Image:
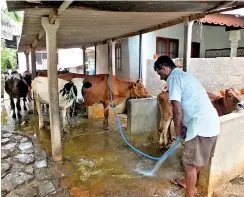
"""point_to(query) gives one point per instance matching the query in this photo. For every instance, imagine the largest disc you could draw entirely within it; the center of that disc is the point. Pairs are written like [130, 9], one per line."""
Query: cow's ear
[87, 84]
[222, 92]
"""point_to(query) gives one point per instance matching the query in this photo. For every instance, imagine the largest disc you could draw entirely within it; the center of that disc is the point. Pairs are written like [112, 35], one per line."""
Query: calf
[223, 104]
[16, 87]
[69, 91]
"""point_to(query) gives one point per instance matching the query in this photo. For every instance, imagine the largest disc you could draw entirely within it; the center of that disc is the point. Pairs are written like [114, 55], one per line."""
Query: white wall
[130, 59]
[214, 74]
[70, 57]
[209, 37]
[66, 58]
[102, 59]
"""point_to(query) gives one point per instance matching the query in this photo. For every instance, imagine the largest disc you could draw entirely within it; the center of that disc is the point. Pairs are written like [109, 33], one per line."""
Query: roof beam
[52, 17]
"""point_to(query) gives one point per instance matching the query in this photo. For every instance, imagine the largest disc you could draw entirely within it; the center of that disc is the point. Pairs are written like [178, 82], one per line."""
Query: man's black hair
[164, 60]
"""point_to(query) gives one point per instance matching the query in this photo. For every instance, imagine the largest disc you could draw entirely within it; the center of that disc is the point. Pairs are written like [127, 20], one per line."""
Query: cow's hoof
[25, 109]
[106, 128]
[14, 116]
[19, 115]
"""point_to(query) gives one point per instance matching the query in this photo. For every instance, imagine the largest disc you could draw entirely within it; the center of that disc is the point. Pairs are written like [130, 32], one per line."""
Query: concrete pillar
[187, 43]
[235, 36]
[33, 62]
[27, 60]
[51, 46]
[84, 60]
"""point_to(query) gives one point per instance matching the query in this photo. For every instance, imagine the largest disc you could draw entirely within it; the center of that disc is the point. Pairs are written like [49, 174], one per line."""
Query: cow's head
[27, 77]
[232, 99]
[138, 90]
[79, 83]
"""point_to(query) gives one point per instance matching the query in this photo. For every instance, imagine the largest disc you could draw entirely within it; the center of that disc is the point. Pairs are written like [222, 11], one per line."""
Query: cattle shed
[67, 24]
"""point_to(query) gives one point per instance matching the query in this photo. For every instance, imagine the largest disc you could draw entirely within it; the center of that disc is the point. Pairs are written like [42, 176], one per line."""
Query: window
[41, 60]
[118, 56]
[167, 46]
[195, 50]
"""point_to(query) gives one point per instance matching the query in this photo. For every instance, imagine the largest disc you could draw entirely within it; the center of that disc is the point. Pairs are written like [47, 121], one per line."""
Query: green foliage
[10, 18]
[8, 57]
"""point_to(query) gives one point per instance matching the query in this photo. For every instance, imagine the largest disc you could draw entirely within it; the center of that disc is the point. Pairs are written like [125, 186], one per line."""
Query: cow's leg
[169, 133]
[65, 126]
[12, 106]
[68, 115]
[160, 133]
[47, 109]
[106, 115]
[18, 107]
[38, 109]
[165, 133]
[24, 101]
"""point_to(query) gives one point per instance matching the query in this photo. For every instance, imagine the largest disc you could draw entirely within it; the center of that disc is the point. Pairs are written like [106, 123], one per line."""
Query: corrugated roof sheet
[80, 27]
[90, 24]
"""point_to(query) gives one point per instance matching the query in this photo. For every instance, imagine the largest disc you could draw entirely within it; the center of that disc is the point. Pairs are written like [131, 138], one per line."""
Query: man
[192, 106]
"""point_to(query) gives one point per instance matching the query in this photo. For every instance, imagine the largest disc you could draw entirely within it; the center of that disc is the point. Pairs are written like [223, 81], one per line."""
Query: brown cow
[230, 102]
[121, 90]
[224, 105]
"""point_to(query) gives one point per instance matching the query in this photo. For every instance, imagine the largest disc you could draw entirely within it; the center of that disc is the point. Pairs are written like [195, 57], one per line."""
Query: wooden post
[187, 43]
[84, 60]
[33, 62]
[140, 52]
[27, 60]
[51, 43]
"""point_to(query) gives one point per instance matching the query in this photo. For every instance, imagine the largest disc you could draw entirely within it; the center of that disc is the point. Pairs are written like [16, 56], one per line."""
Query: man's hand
[177, 116]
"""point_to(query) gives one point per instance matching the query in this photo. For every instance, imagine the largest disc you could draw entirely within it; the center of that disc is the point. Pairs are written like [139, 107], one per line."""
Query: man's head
[163, 66]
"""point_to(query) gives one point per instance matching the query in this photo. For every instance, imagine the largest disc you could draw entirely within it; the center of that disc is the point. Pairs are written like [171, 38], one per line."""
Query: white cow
[69, 91]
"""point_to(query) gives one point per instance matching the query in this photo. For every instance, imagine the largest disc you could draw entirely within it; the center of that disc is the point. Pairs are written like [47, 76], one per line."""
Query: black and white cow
[69, 91]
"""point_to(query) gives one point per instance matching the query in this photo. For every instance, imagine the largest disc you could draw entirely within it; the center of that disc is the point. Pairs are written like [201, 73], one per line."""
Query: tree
[8, 56]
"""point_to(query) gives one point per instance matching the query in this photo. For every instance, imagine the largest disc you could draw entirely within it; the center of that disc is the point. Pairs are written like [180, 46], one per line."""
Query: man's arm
[177, 116]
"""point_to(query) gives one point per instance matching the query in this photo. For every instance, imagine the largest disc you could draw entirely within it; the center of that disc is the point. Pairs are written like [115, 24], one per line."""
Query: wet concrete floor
[105, 165]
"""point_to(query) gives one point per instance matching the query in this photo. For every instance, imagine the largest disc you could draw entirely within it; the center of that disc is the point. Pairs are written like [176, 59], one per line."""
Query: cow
[16, 87]
[121, 90]
[43, 73]
[229, 102]
[68, 92]
[224, 105]
[27, 77]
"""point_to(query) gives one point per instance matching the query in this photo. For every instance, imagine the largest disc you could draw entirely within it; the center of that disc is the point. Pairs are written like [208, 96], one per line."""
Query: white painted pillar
[33, 62]
[51, 46]
[187, 43]
[27, 60]
[235, 36]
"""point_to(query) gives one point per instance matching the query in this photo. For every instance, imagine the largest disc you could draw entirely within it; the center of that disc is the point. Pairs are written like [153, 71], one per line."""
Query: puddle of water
[105, 164]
